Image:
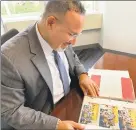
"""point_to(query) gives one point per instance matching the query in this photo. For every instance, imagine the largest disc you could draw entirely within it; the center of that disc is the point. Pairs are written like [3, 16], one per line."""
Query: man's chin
[61, 49]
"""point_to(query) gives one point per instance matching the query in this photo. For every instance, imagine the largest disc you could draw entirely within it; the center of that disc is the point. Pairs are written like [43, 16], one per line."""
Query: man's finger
[90, 90]
[84, 91]
[95, 84]
[94, 90]
[77, 125]
[97, 90]
[96, 87]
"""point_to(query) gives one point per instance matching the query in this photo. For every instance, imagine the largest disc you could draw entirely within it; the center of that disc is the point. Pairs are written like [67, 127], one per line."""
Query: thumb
[77, 126]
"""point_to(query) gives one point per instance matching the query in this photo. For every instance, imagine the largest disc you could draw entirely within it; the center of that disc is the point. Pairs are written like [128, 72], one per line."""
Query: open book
[104, 113]
[113, 83]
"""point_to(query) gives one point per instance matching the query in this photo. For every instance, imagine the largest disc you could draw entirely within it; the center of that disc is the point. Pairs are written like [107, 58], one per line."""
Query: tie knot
[56, 53]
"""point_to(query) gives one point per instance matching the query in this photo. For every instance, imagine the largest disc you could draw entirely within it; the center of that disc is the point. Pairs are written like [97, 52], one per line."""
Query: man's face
[65, 31]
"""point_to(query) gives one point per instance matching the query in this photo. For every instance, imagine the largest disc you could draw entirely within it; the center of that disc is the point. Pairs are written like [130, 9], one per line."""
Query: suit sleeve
[78, 67]
[13, 111]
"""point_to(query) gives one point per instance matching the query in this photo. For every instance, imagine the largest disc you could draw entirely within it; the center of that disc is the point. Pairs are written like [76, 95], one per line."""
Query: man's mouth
[67, 43]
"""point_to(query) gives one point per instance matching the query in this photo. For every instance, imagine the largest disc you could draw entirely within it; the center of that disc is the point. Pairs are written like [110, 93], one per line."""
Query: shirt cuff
[83, 73]
[57, 124]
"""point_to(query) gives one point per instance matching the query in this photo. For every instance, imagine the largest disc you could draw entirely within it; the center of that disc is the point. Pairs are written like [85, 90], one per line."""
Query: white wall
[91, 36]
[2, 28]
[119, 26]
[88, 37]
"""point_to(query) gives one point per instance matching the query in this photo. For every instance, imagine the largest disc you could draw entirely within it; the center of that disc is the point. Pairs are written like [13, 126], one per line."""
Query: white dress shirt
[58, 91]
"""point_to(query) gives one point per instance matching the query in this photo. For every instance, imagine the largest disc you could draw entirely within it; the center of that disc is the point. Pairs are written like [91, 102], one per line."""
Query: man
[32, 77]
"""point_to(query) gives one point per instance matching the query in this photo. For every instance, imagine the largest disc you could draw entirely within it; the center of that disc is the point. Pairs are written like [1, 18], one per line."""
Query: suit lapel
[41, 63]
[70, 60]
[39, 59]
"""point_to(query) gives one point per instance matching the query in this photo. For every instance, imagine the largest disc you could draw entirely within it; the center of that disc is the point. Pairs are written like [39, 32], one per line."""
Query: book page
[107, 113]
[127, 118]
[110, 80]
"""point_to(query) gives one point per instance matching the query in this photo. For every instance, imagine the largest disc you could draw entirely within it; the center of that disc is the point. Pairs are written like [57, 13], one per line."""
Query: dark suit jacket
[26, 82]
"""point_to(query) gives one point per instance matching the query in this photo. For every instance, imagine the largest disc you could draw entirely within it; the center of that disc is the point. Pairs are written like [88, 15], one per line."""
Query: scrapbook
[108, 113]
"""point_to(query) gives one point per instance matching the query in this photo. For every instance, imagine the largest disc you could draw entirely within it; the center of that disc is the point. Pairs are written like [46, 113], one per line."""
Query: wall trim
[104, 49]
[86, 46]
[120, 53]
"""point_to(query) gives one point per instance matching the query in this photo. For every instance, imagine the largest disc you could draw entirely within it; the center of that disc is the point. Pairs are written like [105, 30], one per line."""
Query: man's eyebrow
[74, 33]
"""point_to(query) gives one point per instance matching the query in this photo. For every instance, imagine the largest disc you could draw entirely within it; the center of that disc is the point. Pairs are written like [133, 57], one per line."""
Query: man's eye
[70, 34]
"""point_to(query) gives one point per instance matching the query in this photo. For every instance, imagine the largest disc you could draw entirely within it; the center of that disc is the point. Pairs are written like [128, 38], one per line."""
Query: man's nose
[73, 41]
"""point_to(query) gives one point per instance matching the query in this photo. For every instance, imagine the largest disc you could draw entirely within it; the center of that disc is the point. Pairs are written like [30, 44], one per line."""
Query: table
[113, 61]
[69, 108]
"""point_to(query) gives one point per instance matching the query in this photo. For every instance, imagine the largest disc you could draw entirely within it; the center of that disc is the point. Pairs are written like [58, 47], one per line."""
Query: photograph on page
[104, 113]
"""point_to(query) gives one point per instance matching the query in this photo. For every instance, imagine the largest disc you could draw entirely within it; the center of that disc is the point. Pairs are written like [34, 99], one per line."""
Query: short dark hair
[62, 6]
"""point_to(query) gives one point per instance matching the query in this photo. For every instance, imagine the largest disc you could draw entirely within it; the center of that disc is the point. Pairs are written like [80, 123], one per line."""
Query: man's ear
[50, 22]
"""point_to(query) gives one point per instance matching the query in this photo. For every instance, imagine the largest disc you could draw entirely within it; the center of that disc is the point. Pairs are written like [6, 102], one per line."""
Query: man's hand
[69, 125]
[88, 86]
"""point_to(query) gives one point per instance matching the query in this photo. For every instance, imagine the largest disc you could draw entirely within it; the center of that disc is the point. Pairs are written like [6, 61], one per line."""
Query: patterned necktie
[63, 72]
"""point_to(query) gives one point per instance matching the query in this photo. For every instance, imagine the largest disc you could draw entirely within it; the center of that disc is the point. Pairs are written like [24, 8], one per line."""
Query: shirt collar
[45, 46]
